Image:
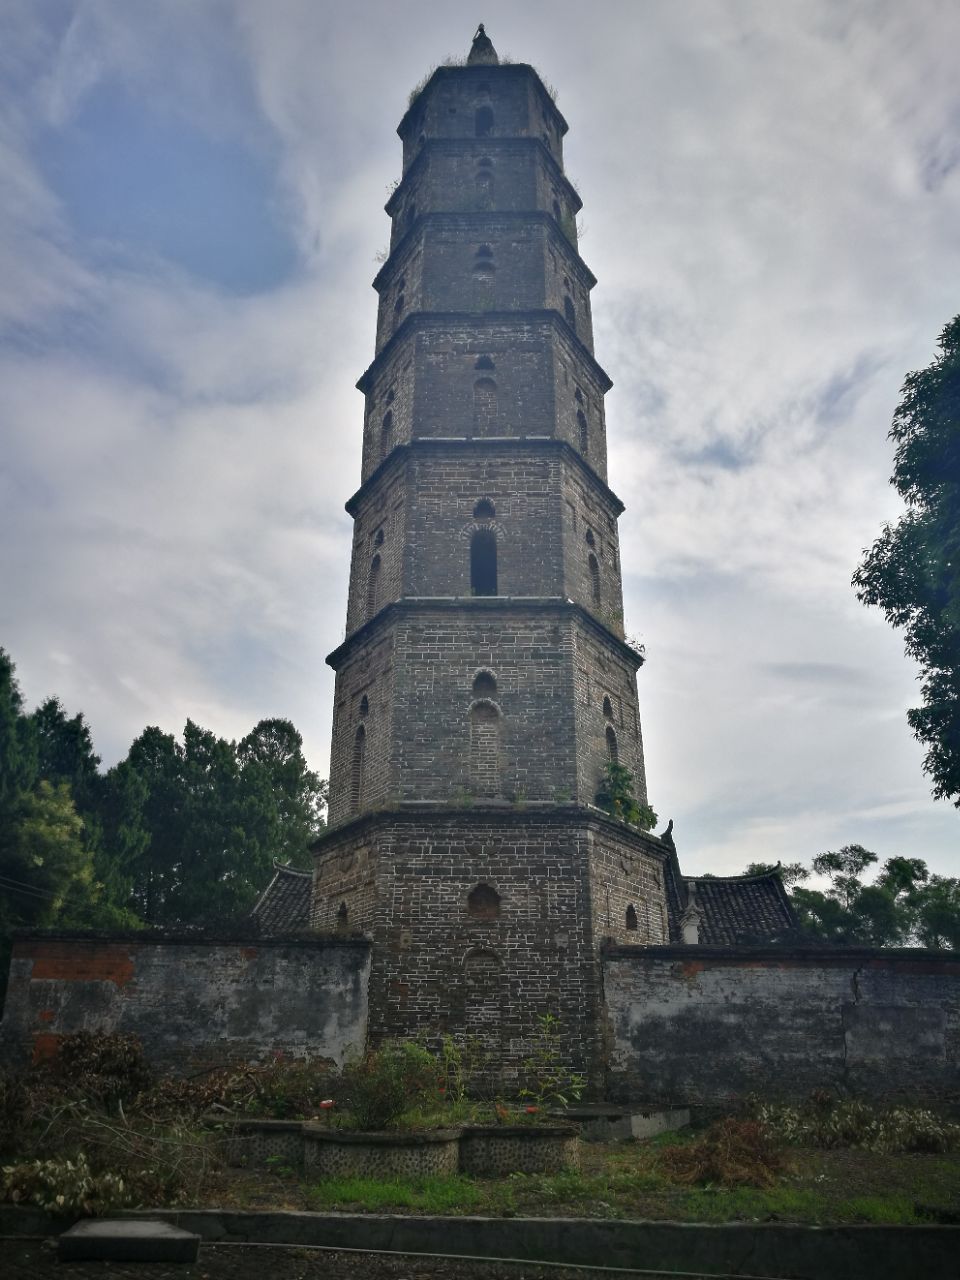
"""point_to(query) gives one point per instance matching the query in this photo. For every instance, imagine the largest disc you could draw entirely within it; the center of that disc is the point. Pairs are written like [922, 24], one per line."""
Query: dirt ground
[37, 1260]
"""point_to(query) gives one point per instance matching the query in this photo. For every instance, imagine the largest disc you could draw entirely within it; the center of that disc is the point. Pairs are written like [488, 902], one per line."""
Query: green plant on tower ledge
[615, 796]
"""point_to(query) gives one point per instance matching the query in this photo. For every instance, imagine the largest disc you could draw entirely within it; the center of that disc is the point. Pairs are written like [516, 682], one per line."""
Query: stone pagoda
[484, 682]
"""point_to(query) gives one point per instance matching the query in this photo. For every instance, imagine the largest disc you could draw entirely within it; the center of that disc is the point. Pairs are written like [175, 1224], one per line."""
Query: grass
[627, 1180]
[438, 1195]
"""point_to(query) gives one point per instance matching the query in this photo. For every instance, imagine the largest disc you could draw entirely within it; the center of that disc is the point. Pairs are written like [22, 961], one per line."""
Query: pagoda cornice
[484, 218]
[492, 145]
[441, 444]
[424, 320]
[478, 606]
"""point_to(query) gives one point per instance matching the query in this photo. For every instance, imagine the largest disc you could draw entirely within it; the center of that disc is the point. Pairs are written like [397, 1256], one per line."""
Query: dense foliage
[904, 905]
[176, 833]
[912, 571]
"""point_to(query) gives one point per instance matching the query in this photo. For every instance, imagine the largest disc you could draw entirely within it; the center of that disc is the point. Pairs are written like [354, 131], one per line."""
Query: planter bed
[340, 1153]
[493, 1151]
[487, 1151]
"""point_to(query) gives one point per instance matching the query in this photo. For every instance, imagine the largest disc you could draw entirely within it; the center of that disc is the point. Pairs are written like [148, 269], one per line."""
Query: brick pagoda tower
[484, 681]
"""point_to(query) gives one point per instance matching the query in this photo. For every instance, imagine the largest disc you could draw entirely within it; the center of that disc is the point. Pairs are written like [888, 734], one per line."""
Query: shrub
[548, 1082]
[385, 1082]
[107, 1067]
[829, 1122]
[731, 1153]
[65, 1186]
[15, 1112]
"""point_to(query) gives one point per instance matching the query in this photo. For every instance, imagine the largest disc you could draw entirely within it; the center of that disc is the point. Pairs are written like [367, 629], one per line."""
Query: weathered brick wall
[602, 672]
[369, 674]
[528, 653]
[705, 1025]
[440, 965]
[379, 541]
[626, 872]
[447, 108]
[192, 1003]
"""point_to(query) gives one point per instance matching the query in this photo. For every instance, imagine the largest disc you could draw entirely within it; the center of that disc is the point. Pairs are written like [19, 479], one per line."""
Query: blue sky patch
[127, 173]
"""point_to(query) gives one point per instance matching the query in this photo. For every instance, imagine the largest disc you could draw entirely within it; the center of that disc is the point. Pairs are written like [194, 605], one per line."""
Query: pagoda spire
[482, 50]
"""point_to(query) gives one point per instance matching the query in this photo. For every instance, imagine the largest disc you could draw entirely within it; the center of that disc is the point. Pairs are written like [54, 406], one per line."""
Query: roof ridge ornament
[482, 51]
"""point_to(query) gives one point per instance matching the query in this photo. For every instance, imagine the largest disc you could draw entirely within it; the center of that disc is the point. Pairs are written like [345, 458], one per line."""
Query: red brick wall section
[193, 1004]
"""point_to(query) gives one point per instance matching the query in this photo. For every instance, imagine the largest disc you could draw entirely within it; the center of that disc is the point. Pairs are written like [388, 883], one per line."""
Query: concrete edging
[726, 1249]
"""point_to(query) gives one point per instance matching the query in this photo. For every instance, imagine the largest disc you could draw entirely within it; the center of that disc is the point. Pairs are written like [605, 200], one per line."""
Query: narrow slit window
[570, 313]
[484, 405]
[583, 431]
[613, 754]
[594, 566]
[373, 587]
[483, 122]
[358, 767]
[386, 433]
[483, 563]
[631, 918]
[484, 749]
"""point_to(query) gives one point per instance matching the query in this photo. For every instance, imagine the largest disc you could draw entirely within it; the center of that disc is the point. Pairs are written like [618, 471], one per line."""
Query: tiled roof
[284, 906]
[734, 909]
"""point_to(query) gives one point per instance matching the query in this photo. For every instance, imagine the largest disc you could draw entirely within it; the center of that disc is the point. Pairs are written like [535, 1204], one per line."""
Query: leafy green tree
[912, 571]
[18, 744]
[45, 867]
[904, 905]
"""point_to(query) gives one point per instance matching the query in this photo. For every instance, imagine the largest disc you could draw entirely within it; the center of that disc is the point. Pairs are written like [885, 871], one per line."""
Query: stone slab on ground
[127, 1240]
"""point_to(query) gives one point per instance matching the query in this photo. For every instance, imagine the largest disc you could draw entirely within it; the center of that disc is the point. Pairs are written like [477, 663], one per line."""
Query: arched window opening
[484, 405]
[378, 538]
[589, 538]
[594, 567]
[391, 395]
[569, 313]
[483, 563]
[612, 752]
[584, 431]
[357, 769]
[484, 270]
[483, 902]
[373, 587]
[631, 918]
[578, 396]
[398, 308]
[566, 283]
[484, 510]
[607, 709]
[386, 433]
[364, 706]
[484, 251]
[342, 917]
[556, 209]
[483, 122]
[484, 685]
[485, 363]
[484, 749]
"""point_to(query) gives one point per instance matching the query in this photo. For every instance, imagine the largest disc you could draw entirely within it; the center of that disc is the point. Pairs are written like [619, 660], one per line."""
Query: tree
[903, 906]
[912, 571]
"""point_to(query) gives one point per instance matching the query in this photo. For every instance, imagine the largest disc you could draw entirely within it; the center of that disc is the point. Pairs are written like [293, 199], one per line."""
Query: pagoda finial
[482, 50]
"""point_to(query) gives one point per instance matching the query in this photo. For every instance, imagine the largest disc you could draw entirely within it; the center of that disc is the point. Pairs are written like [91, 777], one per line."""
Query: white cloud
[771, 195]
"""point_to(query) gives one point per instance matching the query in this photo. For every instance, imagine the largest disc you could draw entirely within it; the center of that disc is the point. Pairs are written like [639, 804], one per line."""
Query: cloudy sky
[192, 204]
